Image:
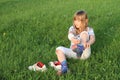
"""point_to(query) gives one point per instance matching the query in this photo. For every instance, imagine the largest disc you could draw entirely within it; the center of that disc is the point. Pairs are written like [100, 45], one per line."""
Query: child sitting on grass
[81, 37]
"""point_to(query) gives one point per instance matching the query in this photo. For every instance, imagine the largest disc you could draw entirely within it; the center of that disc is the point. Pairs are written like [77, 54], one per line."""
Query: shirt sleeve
[71, 33]
[91, 31]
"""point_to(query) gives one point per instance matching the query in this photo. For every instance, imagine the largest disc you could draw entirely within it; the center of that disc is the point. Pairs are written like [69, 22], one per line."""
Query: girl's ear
[86, 20]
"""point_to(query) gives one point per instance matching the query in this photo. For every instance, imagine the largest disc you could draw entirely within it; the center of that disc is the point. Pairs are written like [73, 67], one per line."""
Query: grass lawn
[31, 30]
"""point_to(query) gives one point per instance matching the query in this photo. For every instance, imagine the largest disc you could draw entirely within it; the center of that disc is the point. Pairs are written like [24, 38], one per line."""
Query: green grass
[30, 31]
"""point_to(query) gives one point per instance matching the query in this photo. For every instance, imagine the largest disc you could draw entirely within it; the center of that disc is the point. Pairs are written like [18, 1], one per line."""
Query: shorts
[71, 54]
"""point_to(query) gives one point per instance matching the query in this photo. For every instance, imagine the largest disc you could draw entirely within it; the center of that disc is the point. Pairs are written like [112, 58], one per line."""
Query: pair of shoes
[39, 66]
[56, 65]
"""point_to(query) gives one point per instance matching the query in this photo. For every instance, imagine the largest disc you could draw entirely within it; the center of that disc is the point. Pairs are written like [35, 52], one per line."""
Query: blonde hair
[75, 17]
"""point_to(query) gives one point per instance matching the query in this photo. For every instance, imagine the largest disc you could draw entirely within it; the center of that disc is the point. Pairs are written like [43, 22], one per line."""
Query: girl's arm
[72, 38]
[92, 39]
[90, 42]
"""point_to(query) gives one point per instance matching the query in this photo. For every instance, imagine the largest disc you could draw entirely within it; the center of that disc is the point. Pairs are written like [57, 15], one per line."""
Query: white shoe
[55, 64]
[39, 66]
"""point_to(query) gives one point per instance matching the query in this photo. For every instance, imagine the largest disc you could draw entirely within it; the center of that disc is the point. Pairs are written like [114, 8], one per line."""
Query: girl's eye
[81, 20]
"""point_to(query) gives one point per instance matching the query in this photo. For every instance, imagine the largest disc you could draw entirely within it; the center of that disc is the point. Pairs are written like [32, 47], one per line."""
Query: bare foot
[59, 73]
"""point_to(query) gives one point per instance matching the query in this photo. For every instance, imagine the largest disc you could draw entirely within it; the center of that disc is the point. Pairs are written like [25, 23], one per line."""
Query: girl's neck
[80, 30]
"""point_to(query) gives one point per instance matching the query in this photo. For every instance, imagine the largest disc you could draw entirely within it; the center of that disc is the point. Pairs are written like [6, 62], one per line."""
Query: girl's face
[80, 21]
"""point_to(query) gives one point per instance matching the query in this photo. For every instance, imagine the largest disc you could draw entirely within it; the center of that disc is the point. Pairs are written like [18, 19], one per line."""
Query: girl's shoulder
[72, 28]
[89, 28]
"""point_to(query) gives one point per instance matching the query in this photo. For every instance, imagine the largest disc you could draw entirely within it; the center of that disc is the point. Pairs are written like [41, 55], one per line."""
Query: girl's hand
[75, 41]
[74, 47]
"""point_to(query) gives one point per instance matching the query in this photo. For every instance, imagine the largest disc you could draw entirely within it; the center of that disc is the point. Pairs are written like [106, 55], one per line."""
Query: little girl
[81, 37]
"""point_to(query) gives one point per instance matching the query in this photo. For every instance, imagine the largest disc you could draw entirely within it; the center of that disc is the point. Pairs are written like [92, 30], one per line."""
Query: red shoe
[39, 66]
[56, 65]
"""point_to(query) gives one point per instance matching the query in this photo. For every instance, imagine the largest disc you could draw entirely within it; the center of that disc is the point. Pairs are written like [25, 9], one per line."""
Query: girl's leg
[84, 37]
[62, 59]
[62, 53]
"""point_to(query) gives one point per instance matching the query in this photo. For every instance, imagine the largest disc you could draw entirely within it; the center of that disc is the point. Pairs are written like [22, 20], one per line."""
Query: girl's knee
[59, 50]
[84, 34]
